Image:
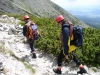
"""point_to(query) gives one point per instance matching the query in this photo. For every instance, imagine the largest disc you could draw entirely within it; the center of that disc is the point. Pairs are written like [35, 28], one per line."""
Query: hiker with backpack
[30, 31]
[66, 37]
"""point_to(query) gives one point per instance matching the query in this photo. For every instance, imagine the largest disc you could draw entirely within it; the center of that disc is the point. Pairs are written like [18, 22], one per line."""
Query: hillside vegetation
[50, 42]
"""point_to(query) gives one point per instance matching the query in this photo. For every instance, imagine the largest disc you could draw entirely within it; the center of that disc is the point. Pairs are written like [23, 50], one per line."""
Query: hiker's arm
[61, 37]
[24, 30]
[65, 33]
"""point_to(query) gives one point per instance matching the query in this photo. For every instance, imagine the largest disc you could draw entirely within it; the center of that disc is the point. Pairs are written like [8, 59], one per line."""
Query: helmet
[59, 18]
[26, 17]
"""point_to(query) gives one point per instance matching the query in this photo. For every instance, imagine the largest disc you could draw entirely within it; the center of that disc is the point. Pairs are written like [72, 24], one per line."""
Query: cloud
[93, 16]
[76, 3]
[89, 15]
[86, 11]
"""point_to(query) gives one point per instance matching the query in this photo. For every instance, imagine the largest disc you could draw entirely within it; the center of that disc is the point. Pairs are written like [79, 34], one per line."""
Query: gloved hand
[67, 59]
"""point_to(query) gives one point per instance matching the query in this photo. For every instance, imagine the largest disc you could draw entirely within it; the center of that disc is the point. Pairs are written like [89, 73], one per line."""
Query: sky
[80, 7]
[67, 4]
[86, 10]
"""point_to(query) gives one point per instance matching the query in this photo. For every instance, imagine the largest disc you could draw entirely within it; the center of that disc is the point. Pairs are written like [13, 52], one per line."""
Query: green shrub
[50, 43]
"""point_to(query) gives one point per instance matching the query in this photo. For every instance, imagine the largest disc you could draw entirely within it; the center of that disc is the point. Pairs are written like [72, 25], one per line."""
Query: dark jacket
[66, 37]
[24, 30]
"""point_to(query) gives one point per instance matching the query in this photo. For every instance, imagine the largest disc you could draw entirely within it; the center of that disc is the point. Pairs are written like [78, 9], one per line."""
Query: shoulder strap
[71, 28]
[27, 31]
[30, 22]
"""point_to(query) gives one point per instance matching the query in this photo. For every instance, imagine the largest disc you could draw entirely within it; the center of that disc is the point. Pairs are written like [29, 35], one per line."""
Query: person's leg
[31, 47]
[60, 58]
[59, 62]
[32, 50]
[78, 62]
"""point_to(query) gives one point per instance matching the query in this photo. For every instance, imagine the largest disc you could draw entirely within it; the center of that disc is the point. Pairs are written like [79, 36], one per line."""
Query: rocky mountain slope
[15, 57]
[40, 8]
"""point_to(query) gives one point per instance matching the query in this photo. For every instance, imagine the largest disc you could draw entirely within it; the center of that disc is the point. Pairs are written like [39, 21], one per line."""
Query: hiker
[65, 38]
[30, 31]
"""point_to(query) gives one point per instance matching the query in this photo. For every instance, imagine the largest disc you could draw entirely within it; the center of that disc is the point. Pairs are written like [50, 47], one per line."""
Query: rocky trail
[14, 54]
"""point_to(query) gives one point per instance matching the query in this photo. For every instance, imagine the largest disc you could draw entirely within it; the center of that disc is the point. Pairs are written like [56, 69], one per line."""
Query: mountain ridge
[40, 8]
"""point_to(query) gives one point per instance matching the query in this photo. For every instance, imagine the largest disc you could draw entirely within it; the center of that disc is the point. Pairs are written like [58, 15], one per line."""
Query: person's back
[30, 32]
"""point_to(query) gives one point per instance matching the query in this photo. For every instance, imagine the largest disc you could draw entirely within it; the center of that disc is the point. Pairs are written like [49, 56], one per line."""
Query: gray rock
[0, 25]
[10, 32]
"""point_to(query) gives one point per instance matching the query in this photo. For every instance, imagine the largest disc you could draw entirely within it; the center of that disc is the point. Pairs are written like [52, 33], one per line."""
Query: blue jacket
[24, 30]
[66, 37]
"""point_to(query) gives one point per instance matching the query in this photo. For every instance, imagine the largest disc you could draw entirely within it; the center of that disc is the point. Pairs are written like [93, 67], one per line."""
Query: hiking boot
[82, 70]
[57, 71]
[34, 55]
[1, 66]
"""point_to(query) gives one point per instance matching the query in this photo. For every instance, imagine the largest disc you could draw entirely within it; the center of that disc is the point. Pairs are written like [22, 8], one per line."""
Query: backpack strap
[71, 28]
[27, 31]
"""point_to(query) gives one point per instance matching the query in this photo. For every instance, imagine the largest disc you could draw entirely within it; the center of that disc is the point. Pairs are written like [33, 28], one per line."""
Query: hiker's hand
[66, 56]
[67, 59]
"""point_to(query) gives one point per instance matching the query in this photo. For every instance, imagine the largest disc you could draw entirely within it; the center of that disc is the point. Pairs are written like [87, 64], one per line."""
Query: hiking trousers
[31, 43]
[61, 56]
[32, 46]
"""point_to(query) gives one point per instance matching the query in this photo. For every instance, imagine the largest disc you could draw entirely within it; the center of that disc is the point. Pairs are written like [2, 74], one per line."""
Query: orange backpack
[30, 33]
